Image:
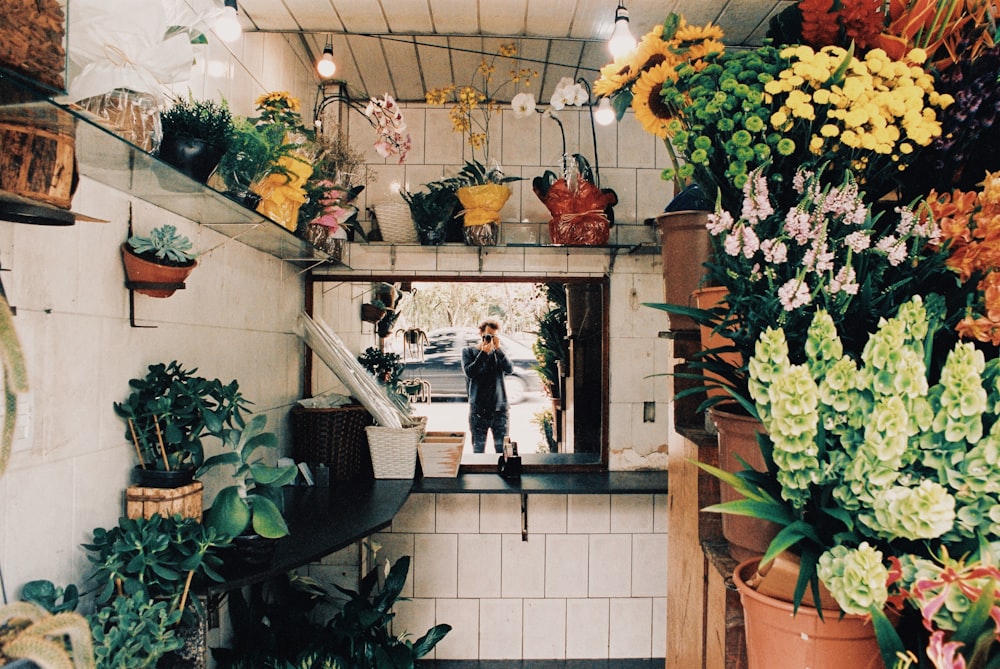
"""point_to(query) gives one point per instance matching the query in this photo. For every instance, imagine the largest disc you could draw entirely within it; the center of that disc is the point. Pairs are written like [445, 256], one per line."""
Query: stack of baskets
[334, 437]
[396, 223]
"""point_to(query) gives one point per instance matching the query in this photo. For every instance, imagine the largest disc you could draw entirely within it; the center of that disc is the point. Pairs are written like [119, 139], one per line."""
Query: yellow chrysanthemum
[650, 112]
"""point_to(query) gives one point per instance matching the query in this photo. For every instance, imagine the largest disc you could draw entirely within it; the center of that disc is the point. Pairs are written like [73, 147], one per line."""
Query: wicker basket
[38, 162]
[396, 223]
[334, 437]
[394, 451]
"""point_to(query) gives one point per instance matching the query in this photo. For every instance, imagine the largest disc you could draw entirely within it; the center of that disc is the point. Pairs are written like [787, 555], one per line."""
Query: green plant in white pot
[255, 501]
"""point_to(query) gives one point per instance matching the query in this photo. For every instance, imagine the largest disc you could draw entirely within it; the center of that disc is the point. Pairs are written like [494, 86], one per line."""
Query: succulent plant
[163, 244]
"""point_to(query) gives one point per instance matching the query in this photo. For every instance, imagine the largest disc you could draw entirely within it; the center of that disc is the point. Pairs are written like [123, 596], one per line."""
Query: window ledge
[577, 483]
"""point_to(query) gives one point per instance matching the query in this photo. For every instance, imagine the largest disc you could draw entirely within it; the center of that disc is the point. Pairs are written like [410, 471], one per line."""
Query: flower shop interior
[764, 222]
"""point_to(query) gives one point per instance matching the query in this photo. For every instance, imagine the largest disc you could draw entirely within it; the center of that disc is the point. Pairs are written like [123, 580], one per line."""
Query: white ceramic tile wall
[235, 320]
[590, 581]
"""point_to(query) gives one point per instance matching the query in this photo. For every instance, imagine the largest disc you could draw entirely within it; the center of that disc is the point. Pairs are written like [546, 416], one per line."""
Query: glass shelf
[112, 161]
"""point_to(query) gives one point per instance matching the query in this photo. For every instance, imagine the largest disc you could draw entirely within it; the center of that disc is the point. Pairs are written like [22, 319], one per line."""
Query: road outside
[453, 416]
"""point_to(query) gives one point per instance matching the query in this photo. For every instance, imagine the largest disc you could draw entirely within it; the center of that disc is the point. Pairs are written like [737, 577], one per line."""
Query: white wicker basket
[396, 223]
[394, 451]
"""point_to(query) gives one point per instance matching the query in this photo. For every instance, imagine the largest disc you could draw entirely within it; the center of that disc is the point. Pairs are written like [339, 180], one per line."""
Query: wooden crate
[143, 502]
[441, 453]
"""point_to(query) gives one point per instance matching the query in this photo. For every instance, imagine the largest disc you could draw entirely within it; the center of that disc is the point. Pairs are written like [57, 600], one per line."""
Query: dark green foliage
[207, 120]
[550, 345]
[172, 404]
[150, 559]
[133, 632]
[51, 598]
[431, 210]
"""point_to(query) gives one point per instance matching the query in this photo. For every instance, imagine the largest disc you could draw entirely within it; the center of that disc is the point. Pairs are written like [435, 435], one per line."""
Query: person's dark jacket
[484, 379]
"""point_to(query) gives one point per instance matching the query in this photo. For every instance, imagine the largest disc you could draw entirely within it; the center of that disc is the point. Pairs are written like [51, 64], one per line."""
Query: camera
[487, 338]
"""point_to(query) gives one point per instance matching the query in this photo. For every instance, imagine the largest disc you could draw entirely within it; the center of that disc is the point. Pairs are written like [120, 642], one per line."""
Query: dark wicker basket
[334, 437]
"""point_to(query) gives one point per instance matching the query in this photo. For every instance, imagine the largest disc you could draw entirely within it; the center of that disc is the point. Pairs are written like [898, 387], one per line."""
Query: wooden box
[146, 502]
[441, 453]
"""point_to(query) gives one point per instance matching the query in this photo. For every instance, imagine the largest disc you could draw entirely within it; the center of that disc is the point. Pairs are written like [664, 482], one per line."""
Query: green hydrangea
[924, 512]
[856, 577]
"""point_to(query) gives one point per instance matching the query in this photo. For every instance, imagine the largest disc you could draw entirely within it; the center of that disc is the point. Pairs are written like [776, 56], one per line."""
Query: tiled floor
[543, 664]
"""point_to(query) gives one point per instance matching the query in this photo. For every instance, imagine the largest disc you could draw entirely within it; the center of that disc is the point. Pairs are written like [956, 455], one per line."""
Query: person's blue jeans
[479, 425]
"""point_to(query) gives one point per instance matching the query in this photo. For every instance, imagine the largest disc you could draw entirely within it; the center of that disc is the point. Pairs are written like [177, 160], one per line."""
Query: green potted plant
[159, 559]
[254, 504]
[166, 415]
[254, 153]
[483, 192]
[196, 134]
[158, 264]
[876, 472]
[431, 210]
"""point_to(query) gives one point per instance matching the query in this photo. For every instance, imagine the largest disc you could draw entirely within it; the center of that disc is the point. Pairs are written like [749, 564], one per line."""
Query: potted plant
[580, 209]
[156, 560]
[483, 193]
[254, 153]
[157, 265]
[196, 134]
[128, 632]
[166, 415]
[431, 210]
[874, 468]
[254, 503]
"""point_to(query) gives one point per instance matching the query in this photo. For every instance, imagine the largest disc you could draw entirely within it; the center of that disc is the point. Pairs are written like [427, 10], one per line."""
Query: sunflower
[689, 33]
[614, 77]
[652, 52]
[650, 110]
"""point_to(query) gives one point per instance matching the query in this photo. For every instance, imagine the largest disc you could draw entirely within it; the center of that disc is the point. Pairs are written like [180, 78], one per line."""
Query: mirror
[558, 413]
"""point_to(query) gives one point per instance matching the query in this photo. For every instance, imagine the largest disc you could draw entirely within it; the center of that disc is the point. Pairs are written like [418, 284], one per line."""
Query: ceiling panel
[454, 17]
[372, 60]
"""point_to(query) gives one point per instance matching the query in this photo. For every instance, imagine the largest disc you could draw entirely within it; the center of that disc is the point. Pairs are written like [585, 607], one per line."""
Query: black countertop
[323, 520]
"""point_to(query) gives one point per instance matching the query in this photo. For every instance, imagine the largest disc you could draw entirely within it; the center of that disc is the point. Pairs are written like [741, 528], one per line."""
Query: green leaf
[266, 475]
[229, 513]
[267, 519]
[889, 642]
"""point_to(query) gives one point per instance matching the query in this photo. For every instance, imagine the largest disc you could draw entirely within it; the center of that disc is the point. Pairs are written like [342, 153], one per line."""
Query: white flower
[523, 105]
[568, 93]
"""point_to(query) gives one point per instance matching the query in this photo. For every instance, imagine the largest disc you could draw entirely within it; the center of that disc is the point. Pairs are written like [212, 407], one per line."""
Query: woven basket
[38, 163]
[394, 451]
[396, 223]
[334, 437]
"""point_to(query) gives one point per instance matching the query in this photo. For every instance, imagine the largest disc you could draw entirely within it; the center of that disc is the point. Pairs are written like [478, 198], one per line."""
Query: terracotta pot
[684, 246]
[777, 637]
[748, 537]
[706, 298]
[163, 280]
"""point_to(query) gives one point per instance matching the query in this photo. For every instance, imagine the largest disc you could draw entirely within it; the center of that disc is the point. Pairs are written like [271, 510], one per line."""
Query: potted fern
[157, 265]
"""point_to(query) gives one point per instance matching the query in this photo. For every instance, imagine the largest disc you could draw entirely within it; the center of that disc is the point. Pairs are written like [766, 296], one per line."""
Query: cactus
[41, 639]
[15, 378]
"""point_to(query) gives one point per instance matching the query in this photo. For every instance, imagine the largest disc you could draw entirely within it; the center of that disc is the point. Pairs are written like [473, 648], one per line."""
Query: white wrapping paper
[125, 44]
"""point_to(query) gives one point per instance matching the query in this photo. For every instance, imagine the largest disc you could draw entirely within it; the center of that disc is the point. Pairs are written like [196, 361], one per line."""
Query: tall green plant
[15, 378]
[550, 345]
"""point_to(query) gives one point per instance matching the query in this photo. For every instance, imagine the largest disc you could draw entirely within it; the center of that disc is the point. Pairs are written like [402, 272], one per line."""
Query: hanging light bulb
[325, 65]
[622, 42]
[227, 26]
[604, 114]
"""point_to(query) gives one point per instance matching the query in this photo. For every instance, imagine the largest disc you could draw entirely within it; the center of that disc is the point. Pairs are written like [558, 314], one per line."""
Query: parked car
[442, 364]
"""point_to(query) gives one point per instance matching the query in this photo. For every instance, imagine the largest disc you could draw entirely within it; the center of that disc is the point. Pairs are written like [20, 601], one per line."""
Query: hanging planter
[153, 279]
